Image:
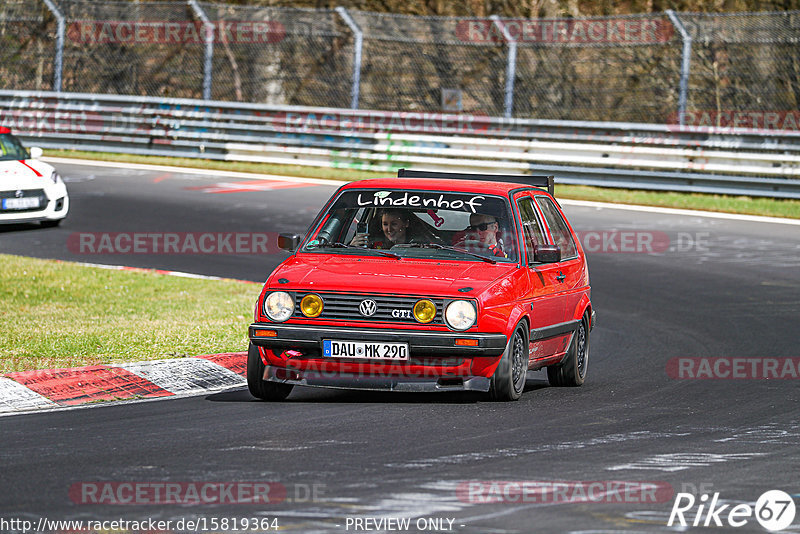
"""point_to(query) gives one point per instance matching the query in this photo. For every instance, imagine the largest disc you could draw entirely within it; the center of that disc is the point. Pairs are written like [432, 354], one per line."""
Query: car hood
[329, 272]
[29, 174]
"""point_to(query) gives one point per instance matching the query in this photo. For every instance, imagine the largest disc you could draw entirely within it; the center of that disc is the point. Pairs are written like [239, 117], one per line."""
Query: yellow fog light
[424, 311]
[311, 305]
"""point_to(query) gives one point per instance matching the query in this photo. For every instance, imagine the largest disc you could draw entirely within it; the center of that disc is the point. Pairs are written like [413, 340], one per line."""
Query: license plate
[364, 349]
[20, 203]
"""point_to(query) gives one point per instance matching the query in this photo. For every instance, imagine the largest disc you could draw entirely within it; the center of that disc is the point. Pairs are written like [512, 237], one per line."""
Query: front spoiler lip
[419, 342]
[320, 379]
[31, 217]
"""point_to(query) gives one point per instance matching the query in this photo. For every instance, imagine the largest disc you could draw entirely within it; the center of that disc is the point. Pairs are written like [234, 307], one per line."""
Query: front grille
[11, 193]
[390, 308]
[26, 193]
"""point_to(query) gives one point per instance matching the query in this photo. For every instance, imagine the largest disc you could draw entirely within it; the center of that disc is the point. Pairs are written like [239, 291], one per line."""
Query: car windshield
[417, 224]
[11, 148]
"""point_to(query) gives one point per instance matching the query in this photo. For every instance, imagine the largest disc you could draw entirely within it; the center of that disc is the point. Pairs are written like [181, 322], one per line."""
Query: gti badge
[368, 307]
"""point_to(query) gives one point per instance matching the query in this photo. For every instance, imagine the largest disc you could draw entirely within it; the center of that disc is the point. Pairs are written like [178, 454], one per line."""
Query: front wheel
[508, 380]
[260, 388]
[571, 371]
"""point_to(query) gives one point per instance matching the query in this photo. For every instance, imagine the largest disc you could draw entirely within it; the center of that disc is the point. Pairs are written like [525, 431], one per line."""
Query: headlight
[460, 315]
[279, 306]
[311, 305]
[424, 311]
[55, 177]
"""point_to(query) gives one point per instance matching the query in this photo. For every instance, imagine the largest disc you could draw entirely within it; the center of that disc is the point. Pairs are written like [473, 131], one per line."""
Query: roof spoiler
[535, 181]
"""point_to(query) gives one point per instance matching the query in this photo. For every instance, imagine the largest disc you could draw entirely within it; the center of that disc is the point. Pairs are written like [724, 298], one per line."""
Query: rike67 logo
[774, 510]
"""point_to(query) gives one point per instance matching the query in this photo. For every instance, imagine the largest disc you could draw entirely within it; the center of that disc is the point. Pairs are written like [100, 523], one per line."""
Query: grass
[60, 314]
[694, 201]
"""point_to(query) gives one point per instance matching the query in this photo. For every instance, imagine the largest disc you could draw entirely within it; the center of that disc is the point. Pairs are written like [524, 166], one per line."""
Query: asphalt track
[722, 289]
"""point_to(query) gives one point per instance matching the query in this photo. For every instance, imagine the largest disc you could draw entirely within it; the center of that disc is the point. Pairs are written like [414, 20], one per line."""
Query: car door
[572, 274]
[544, 298]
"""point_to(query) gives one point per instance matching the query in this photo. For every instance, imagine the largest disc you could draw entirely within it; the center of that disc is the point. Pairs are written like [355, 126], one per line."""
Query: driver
[483, 229]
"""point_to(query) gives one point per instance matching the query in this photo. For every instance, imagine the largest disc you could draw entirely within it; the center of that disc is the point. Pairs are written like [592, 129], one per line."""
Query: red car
[427, 282]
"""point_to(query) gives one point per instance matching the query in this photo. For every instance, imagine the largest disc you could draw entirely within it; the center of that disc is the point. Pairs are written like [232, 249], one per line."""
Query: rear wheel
[572, 370]
[508, 380]
[260, 388]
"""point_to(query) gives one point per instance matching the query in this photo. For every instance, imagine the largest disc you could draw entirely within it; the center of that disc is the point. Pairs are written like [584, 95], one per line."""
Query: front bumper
[56, 208]
[309, 339]
[339, 380]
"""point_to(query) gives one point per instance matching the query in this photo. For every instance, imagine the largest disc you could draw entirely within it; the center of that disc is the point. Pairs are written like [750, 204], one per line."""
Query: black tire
[50, 223]
[260, 388]
[508, 380]
[571, 372]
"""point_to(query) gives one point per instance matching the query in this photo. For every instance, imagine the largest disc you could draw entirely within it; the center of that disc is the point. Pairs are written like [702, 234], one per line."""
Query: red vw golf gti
[427, 282]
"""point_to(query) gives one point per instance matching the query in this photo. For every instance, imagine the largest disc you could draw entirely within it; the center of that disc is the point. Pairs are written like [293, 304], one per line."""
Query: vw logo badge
[19, 193]
[368, 307]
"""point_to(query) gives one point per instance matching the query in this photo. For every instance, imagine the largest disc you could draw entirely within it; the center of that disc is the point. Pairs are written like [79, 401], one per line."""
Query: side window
[531, 231]
[558, 228]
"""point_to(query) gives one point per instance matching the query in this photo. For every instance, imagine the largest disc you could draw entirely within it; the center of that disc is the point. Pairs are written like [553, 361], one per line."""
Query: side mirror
[289, 242]
[36, 152]
[547, 253]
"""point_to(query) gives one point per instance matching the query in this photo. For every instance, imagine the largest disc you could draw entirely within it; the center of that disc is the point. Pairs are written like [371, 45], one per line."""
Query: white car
[30, 190]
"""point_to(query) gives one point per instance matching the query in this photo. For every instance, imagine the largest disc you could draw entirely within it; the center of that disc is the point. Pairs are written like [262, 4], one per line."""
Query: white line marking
[682, 461]
[337, 183]
[15, 397]
[676, 211]
[192, 170]
[515, 452]
[146, 270]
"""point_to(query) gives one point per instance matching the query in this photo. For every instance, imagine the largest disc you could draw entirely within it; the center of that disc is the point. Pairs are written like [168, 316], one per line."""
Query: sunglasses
[482, 226]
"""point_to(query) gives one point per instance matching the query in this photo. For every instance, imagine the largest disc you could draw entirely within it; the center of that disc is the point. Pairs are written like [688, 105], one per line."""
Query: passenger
[394, 225]
[482, 235]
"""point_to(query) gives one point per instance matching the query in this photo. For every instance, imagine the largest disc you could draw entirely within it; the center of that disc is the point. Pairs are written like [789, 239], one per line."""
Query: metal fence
[628, 155]
[642, 68]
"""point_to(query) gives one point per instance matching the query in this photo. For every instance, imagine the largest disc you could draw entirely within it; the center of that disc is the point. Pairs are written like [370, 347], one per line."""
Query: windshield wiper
[446, 247]
[339, 244]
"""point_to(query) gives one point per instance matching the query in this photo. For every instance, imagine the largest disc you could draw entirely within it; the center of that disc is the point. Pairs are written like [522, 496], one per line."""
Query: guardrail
[626, 155]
